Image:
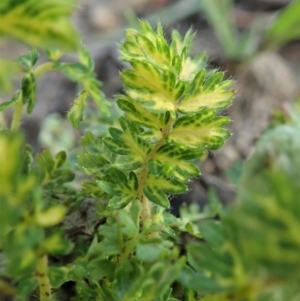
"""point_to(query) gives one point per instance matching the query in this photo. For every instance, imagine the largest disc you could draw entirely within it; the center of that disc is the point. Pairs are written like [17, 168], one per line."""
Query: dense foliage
[171, 115]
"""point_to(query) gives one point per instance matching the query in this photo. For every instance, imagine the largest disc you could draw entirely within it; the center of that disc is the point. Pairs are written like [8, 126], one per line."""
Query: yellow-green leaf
[202, 130]
[51, 216]
[155, 89]
[41, 23]
[75, 115]
[206, 92]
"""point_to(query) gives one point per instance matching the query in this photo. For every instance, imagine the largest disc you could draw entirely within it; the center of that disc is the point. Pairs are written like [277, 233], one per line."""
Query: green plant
[170, 118]
[137, 250]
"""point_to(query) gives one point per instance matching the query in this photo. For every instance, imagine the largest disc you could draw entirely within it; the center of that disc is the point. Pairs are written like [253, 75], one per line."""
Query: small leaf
[85, 57]
[108, 187]
[100, 268]
[202, 130]
[167, 185]
[58, 276]
[60, 159]
[157, 196]
[45, 160]
[51, 216]
[75, 114]
[110, 243]
[28, 60]
[128, 142]
[9, 103]
[77, 272]
[128, 226]
[62, 176]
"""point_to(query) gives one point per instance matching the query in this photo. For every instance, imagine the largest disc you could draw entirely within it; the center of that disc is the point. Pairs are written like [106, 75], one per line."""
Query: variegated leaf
[201, 130]
[136, 113]
[127, 142]
[122, 190]
[167, 185]
[178, 156]
[146, 45]
[155, 89]
[156, 195]
[180, 44]
[190, 67]
[206, 92]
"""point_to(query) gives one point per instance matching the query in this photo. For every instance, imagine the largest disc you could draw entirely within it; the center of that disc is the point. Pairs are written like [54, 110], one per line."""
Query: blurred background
[256, 42]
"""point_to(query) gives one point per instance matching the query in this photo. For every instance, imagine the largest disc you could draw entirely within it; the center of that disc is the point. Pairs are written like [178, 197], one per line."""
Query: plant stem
[142, 176]
[43, 279]
[15, 124]
[40, 70]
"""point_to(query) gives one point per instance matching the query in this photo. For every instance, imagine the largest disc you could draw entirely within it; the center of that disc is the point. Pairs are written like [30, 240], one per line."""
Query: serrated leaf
[9, 103]
[75, 114]
[146, 44]
[85, 57]
[120, 201]
[189, 68]
[127, 142]
[206, 93]
[177, 156]
[167, 185]
[44, 24]
[137, 113]
[202, 130]
[28, 60]
[155, 89]
[124, 190]
[156, 195]
[127, 163]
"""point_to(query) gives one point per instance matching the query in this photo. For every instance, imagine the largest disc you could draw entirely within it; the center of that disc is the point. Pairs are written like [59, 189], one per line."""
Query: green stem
[142, 176]
[43, 279]
[40, 70]
[15, 123]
